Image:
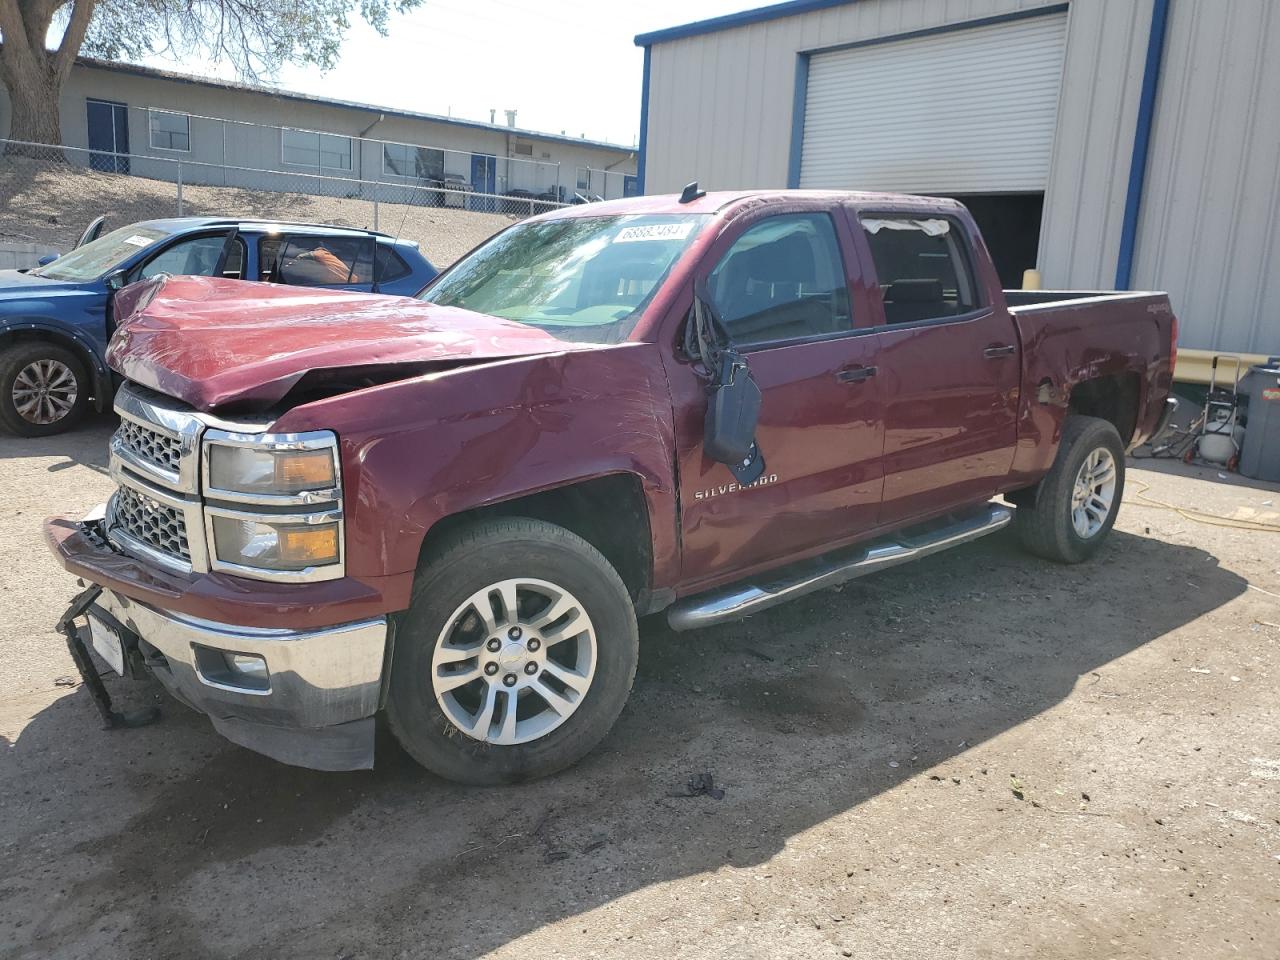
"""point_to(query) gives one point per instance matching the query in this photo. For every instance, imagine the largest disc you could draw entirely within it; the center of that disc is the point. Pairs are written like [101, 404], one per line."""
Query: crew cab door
[949, 363]
[779, 283]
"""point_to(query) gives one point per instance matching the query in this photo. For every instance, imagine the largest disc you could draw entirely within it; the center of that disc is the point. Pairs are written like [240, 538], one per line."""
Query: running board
[743, 599]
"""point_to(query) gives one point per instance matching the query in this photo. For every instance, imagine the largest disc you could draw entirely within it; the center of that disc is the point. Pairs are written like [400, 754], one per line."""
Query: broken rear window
[580, 278]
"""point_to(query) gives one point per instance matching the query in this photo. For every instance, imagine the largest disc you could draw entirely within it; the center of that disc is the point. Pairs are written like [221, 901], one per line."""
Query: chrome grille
[151, 522]
[155, 512]
[150, 445]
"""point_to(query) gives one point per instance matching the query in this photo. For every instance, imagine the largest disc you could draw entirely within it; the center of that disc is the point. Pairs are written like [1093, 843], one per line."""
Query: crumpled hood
[221, 344]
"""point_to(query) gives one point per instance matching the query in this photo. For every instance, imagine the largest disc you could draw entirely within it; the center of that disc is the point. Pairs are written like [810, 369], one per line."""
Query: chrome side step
[752, 596]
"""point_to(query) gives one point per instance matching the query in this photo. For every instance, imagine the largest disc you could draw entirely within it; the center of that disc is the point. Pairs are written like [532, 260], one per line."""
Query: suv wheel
[43, 389]
[516, 655]
[1079, 497]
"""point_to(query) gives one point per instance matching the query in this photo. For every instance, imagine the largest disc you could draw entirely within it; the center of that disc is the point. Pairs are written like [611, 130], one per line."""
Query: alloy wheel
[1093, 495]
[45, 391]
[514, 661]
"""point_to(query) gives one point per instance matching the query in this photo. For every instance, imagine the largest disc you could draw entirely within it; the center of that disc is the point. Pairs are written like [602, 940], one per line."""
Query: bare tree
[42, 38]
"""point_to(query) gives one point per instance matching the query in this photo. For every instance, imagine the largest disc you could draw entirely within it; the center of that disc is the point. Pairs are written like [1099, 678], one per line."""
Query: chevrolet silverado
[451, 509]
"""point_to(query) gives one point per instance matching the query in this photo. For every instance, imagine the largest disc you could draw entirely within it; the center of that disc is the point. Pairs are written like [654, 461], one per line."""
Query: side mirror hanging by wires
[733, 398]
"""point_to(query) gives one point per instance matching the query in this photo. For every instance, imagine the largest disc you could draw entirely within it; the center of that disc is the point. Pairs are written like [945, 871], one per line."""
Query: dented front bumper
[313, 703]
[311, 698]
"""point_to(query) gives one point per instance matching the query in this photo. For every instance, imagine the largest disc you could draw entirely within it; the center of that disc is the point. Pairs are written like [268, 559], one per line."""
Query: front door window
[194, 257]
[782, 280]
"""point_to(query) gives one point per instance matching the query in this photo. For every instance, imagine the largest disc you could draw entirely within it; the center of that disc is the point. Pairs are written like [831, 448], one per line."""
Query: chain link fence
[222, 145]
[49, 194]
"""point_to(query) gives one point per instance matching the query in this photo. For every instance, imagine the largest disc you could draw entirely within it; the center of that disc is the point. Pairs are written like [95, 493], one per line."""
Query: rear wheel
[1079, 497]
[516, 655]
[43, 389]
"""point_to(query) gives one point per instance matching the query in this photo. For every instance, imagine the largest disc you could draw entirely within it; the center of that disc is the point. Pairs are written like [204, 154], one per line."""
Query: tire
[441, 637]
[39, 364]
[1049, 528]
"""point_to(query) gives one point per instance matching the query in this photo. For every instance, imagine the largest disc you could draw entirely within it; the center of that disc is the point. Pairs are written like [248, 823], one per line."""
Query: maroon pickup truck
[453, 508]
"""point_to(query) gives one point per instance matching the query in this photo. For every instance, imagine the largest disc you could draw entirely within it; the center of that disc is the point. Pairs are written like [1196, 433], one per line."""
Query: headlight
[273, 505]
[262, 471]
[269, 544]
[272, 469]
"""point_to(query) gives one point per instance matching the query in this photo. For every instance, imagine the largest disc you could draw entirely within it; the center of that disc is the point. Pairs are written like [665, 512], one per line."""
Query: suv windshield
[580, 278]
[100, 256]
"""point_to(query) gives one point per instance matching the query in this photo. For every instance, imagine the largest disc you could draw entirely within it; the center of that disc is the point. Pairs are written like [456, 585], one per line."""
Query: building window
[170, 131]
[584, 178]
[406, 160]
[306, 148]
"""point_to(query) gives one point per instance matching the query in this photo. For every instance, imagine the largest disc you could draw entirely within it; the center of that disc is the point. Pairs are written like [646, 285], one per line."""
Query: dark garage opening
[1010, 223]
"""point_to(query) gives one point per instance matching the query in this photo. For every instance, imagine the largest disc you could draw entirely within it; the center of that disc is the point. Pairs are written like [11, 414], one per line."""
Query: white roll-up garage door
[968, 111]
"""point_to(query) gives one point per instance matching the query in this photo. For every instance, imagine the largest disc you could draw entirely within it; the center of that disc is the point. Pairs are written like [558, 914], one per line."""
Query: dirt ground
[981, 755]
[52, 203]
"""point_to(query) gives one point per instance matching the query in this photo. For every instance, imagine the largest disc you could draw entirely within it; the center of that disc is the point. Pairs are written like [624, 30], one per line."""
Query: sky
[563, 65]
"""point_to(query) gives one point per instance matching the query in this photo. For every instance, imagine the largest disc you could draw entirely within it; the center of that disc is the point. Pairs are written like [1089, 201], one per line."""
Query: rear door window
[318, 261]
[922, 266]
[389, 266]
[783, 279]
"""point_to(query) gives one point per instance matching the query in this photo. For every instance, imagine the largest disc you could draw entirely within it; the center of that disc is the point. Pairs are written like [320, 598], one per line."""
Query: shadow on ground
[85, 445]
[801, 714]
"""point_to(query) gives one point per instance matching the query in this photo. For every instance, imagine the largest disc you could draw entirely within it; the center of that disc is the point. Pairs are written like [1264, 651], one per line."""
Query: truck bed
[1072, 336]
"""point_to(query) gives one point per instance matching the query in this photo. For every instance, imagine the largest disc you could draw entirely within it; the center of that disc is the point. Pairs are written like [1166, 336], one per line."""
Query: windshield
[100, 256]
[580, 278]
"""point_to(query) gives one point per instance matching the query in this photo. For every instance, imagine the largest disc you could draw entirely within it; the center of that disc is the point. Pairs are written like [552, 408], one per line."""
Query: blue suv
[55, 320]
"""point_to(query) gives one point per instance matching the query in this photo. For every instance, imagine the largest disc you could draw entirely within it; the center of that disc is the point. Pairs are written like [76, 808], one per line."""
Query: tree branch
[73, 37]
[36, 17]
[14, 30]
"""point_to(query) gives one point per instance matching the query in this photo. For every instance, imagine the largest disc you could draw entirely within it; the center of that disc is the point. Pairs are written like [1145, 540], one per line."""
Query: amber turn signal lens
[304, 470]
[309, 546]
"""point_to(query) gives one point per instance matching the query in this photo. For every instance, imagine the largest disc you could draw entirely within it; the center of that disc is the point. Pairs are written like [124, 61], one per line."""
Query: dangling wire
[705, 344]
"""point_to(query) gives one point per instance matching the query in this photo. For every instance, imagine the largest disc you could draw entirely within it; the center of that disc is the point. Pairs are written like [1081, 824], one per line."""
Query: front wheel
[44, 389]
[516, 655]
[1079, 497]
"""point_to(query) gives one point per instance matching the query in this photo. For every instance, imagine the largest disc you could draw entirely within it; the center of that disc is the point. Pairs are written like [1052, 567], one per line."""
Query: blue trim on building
[1142, 143]
[745, 18]
[644, 124]
[798, 103]
[800, 96]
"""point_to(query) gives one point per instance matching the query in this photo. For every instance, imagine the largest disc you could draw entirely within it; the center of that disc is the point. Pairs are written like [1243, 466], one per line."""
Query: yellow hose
[1199, 516]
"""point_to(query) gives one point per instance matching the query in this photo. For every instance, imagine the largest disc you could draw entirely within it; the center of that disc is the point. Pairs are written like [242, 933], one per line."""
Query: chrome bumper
[316, 705]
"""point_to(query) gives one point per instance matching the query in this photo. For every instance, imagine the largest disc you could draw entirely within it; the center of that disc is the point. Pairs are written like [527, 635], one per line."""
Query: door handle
[1000, 350]
[856, 374]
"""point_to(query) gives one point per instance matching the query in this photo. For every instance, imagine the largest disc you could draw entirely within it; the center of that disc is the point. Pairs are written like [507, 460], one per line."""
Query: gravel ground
[981, 755]
[51, 203]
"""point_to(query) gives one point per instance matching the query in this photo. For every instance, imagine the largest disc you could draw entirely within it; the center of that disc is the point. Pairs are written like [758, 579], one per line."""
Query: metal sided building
[1129, 144]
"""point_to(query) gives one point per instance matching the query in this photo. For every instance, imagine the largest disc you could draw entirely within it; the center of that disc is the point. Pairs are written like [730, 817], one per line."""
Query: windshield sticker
[654, 231]
[138, 240]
